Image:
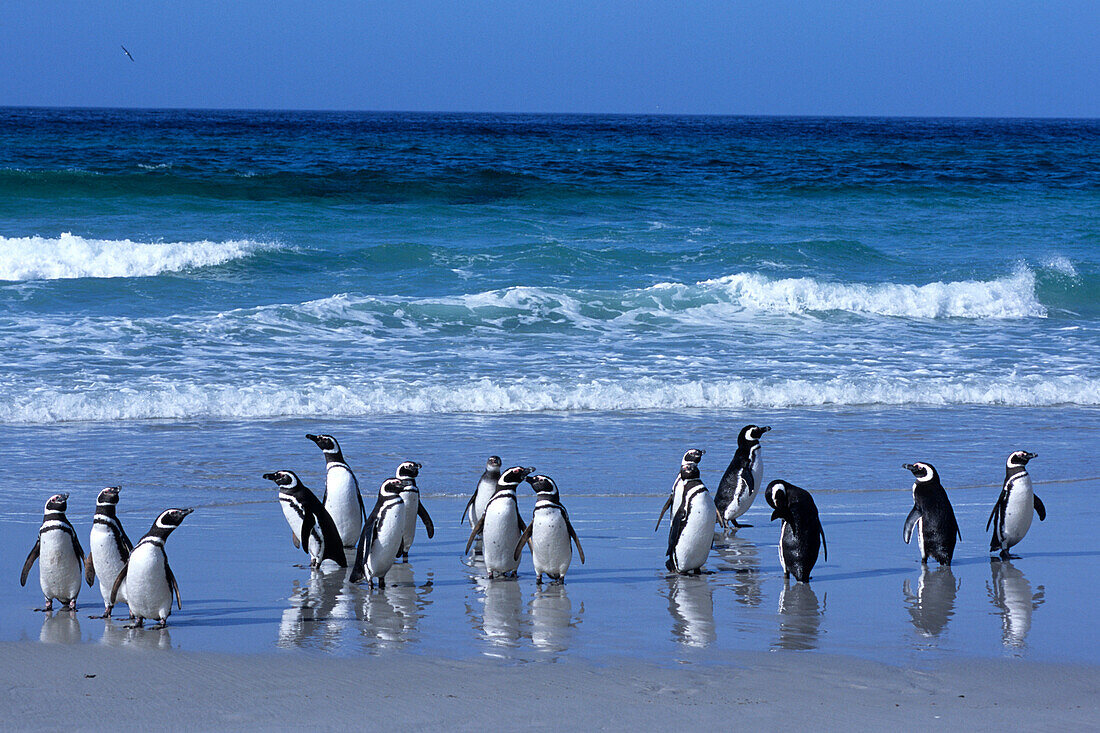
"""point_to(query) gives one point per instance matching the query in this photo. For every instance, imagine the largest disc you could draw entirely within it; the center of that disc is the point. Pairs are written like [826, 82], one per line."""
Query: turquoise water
[183, 295]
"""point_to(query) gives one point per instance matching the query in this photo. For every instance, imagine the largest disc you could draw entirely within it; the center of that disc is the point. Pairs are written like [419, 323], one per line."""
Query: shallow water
[245, 589]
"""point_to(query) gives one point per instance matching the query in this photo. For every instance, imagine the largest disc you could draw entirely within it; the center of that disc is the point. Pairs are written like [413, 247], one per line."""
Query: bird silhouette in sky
[127, 53]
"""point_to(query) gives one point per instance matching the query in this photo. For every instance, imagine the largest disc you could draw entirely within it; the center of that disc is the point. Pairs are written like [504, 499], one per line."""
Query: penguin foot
[105, 614]
[47, 609]
[72, 605]
[163, 624]
[538, 580]
[138, 624]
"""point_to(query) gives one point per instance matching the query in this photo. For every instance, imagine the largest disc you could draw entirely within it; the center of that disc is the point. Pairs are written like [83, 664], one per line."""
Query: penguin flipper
[118, 582]
[519, 520]
[89, 570]
[573, 534]
[1001, 501]
[470, 503]
[476, 531]
[523, 538]
[665, 508]
[294, 539]
[126, 543]
[1042, 510]
[30, 561]
[172, 584]
[824, 547]
[308, 522]
[77, 549]
[910, 523]
[426, 519]
[358, 570]
[675, 531]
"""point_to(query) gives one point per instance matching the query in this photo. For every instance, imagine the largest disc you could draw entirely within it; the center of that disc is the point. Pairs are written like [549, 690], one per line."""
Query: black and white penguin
[149, 580]
[501, 525]
[382, 535]
[60, 557]
[692, 531]
[483, 492]
[550, 532]
[342, 498]
[743, 477]
[800, 535]
[311, 526]
[1011, 515]
[410, 494]
[931, 515]
[108, 548]
[693, 456]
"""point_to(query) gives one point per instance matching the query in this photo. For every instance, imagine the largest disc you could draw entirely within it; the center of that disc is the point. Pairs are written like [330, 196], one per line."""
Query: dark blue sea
[185, 294]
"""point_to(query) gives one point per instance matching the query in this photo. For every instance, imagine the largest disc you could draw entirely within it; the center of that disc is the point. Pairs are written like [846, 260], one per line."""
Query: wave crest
[70, 256]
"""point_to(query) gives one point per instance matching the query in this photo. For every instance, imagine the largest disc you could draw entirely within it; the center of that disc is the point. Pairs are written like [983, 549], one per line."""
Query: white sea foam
[71, 256]
[187, 400]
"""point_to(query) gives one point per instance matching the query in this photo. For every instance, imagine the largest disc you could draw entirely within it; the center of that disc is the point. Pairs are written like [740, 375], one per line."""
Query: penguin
[1014, 506]
[108, 548]
[149, 580]
[673, 502]
[59, 554]
[311, 526]
[410, 494]
[931, 515]
[743, 477]
[501, 525]
[800, 535]
[550, 533]
[382, 535]
[342, 499]
[692, 530]
[486, 486]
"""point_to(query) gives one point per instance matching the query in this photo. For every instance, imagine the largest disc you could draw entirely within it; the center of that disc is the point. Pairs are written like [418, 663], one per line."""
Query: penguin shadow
[553, 623]
[60, 627]
[691, 605]
[308, 621]
[932, 604]
[1010, 593]
[741, 557]
[799, 617]
[496, 611]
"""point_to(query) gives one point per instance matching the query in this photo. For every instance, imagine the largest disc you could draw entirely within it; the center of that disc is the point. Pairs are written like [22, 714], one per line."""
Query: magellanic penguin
[693, 456]
[483, 492]
[149, 580]
[60, 557]
[501, 525]
[743, 477]
[692, 530]
[1011, 515]
[382, 535]
[931, 515]
[311, 527]
[342, 499]
[109, 548]
[410, 494]
[801, 535]
[550, 532]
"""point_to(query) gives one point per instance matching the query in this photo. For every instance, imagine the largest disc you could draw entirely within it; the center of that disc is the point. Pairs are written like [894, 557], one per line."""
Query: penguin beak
[314, 438]
[1032, 455]
[765, 429]
[187, 511]
[910, 467]
[269, 476]
[418, 466]
[64, 497]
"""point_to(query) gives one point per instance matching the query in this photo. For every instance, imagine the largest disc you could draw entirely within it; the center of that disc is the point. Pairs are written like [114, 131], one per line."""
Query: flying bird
[127, 53]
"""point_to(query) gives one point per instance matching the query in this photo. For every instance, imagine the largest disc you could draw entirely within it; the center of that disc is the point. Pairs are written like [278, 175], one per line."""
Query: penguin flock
[337, 524]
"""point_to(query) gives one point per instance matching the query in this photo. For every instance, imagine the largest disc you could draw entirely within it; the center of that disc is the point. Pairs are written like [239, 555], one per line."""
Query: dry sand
[96, 687]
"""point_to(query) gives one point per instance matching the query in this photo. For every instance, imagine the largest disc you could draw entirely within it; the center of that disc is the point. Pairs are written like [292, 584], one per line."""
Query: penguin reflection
[502, 607]
[1010, 593]
[308, 619]
[60, 627]
[117, 634]
[691, 603]
[799, 617]
[393, 614]
[552, 621]
[933, 604]
[741, 556]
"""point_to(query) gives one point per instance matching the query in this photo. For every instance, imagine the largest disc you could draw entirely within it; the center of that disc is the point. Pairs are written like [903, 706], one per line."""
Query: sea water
[184, 295]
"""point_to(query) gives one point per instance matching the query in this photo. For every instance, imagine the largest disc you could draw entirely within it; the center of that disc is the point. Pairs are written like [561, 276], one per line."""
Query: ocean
[185, 294]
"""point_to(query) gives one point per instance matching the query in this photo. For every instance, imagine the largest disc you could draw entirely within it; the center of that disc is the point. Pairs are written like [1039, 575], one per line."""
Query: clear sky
[809, 57]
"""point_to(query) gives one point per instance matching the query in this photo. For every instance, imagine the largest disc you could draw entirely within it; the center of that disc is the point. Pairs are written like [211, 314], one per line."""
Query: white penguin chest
[500, 534]
[106, 557]
[697, 533]
[411, 500]
[388, 533]
[551, 548]
[1020, 507]
[485, 490]
[756, 467]
[59, 567]
[342, 502]
[147, 589]
[677, 495]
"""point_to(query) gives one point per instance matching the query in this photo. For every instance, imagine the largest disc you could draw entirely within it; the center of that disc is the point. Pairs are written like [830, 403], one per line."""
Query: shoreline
[103, 687]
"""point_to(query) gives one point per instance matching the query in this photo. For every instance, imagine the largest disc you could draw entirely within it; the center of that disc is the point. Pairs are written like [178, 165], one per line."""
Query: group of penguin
[337, 523]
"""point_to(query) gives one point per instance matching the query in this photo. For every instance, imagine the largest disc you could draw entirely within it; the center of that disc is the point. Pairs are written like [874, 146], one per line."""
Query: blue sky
[964, 58]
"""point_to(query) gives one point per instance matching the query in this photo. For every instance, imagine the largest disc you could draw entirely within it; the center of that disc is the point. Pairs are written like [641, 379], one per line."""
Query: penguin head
[326, 443]
[776, 496]
[392, 486]
[544, 486]
[511, 478]
[923, 472]
[689, 471]
[284, 479]
[57, 503]
[1020, 458]
[693, 456]
[169, 519]
[751, 434]
[493, 464]
[408, 469]
[108, 497]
